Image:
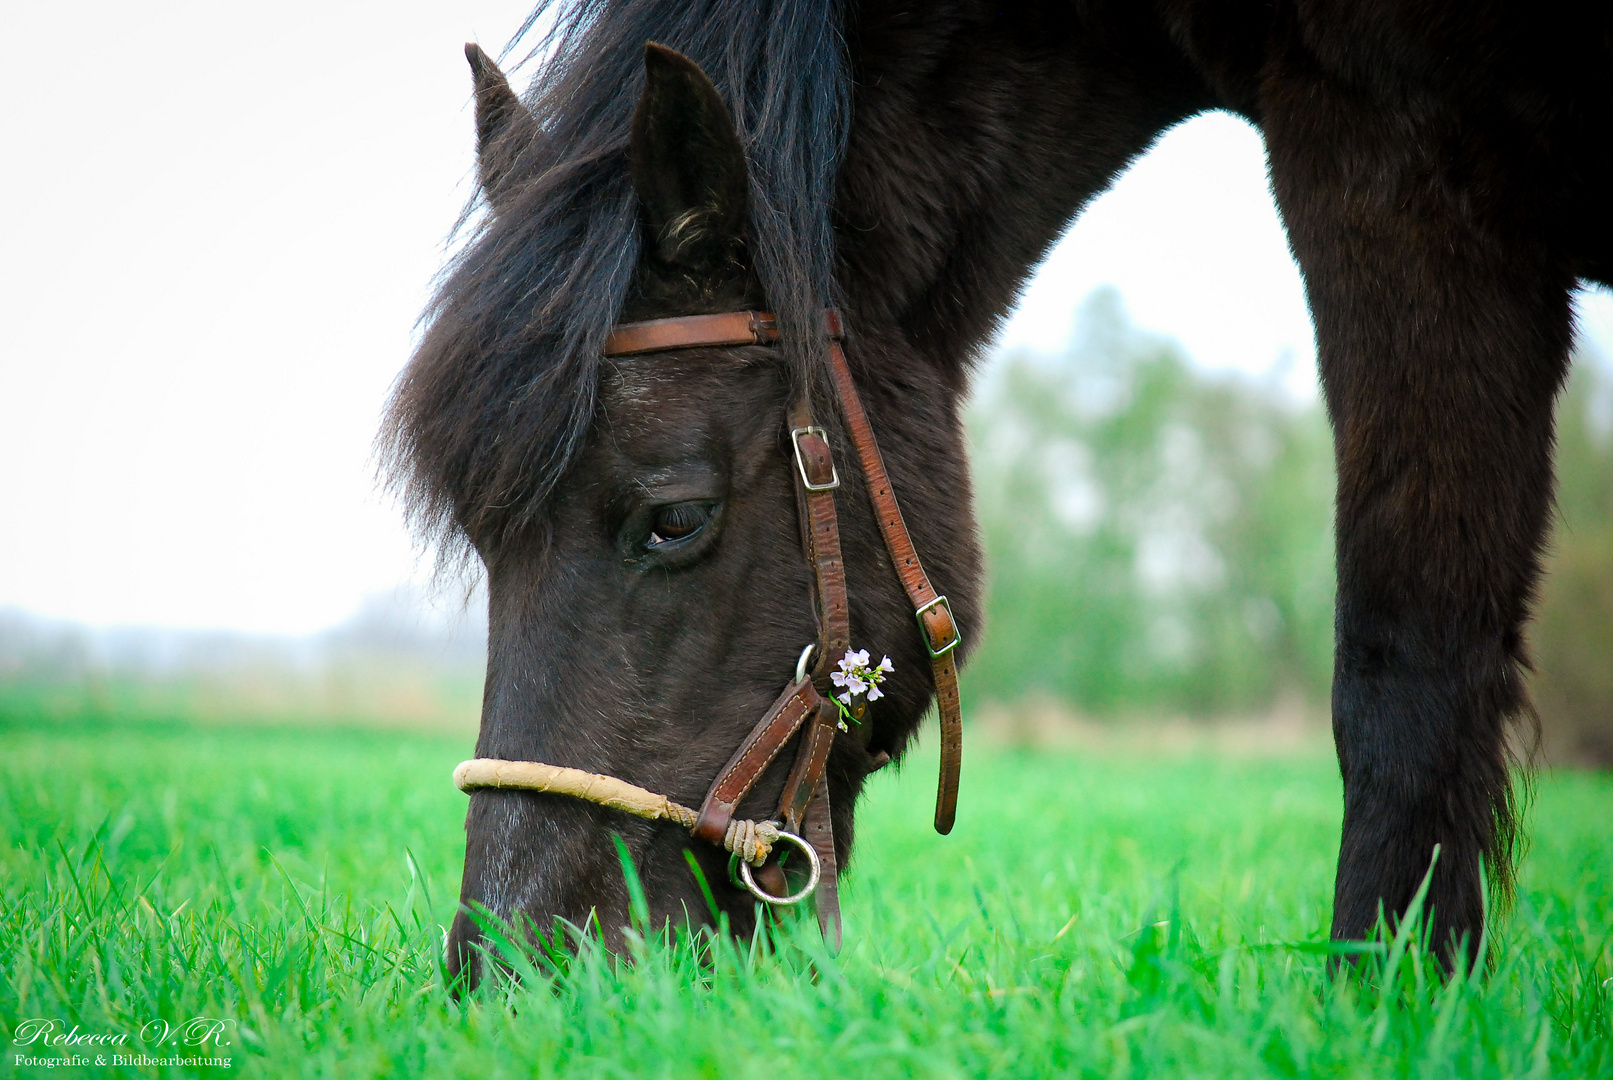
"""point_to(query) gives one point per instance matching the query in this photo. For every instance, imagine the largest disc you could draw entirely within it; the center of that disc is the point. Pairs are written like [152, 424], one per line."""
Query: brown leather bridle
[803, 808]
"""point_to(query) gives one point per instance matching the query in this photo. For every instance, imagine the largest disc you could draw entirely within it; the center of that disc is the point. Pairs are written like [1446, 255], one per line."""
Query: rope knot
[750, 840]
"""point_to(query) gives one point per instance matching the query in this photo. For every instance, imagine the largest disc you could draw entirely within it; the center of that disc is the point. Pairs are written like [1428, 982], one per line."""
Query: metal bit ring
[793, 898]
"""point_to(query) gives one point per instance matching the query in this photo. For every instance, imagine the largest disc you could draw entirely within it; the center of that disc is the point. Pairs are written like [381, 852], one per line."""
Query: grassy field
[1103, 916]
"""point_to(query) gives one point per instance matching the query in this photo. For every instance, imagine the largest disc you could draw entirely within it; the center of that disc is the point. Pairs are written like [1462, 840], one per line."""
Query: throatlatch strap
[934, 615]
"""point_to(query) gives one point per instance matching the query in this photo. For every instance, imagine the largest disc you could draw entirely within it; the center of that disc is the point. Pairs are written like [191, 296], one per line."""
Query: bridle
[802, 818]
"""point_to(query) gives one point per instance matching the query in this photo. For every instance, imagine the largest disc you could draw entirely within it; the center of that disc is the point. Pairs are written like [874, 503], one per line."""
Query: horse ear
[504, 126]
[688, 164]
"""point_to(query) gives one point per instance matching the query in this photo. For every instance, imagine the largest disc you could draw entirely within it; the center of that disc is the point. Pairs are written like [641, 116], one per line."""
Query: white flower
[857, 677]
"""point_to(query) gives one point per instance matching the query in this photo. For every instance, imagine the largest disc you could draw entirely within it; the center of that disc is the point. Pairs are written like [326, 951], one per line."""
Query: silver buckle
[800, 465]
[924, 631]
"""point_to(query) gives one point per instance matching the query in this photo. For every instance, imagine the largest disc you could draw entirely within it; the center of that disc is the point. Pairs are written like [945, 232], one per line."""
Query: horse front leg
[1443, 327]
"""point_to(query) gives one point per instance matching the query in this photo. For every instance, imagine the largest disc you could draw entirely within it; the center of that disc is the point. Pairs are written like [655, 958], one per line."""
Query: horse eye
[678, 521]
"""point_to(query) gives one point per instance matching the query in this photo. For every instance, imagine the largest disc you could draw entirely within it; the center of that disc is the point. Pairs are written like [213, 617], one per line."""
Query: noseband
[803, 817]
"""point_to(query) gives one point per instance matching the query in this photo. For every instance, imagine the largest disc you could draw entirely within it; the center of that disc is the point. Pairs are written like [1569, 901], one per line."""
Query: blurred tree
[1572, 636]
[1158, 538]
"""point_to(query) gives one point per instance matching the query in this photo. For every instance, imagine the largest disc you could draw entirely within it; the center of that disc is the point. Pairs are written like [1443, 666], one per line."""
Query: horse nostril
[881, 760]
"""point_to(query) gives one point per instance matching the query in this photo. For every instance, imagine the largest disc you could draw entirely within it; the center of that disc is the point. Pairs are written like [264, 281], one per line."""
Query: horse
[1440, 171]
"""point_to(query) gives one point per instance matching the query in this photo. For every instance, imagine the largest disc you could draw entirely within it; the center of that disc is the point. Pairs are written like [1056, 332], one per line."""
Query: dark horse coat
[1442, 168]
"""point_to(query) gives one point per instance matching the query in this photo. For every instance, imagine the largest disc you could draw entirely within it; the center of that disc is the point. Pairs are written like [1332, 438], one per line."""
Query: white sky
[220, 225]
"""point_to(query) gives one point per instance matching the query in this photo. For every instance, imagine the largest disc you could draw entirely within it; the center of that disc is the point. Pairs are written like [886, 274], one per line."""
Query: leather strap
[817, 829]
[803, 803]
[755, 754]
[816, 480]
[936, 625]
[695, 331]
[817, 739]
[690, 331]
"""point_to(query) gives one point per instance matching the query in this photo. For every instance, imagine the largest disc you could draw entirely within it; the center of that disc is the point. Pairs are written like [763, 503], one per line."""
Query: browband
[694, 331]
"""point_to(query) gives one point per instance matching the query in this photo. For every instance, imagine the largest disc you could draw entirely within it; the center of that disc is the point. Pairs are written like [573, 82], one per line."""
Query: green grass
[1103, 917]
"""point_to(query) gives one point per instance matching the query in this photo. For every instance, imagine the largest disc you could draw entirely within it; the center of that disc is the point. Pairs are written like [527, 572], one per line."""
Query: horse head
[652, 609]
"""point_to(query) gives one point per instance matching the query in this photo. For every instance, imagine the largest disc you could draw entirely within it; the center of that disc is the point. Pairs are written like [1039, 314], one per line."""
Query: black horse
[1442, 169]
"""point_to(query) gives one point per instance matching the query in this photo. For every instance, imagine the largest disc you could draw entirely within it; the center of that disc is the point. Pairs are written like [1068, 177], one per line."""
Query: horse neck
[976, 136]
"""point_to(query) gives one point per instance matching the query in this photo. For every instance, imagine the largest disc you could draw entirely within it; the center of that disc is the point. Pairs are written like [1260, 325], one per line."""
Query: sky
[221, 224]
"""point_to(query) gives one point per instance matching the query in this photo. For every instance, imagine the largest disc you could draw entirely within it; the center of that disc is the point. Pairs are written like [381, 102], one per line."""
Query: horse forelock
[495, 403]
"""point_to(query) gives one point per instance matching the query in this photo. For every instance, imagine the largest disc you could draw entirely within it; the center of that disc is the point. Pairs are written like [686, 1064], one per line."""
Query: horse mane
[499, 396]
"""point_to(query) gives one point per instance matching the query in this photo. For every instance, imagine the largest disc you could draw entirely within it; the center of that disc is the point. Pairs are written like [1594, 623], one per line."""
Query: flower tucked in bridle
[857, 678]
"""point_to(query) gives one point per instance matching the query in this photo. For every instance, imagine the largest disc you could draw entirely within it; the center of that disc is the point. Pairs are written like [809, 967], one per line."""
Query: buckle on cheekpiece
[939, 603]
[817, 460]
